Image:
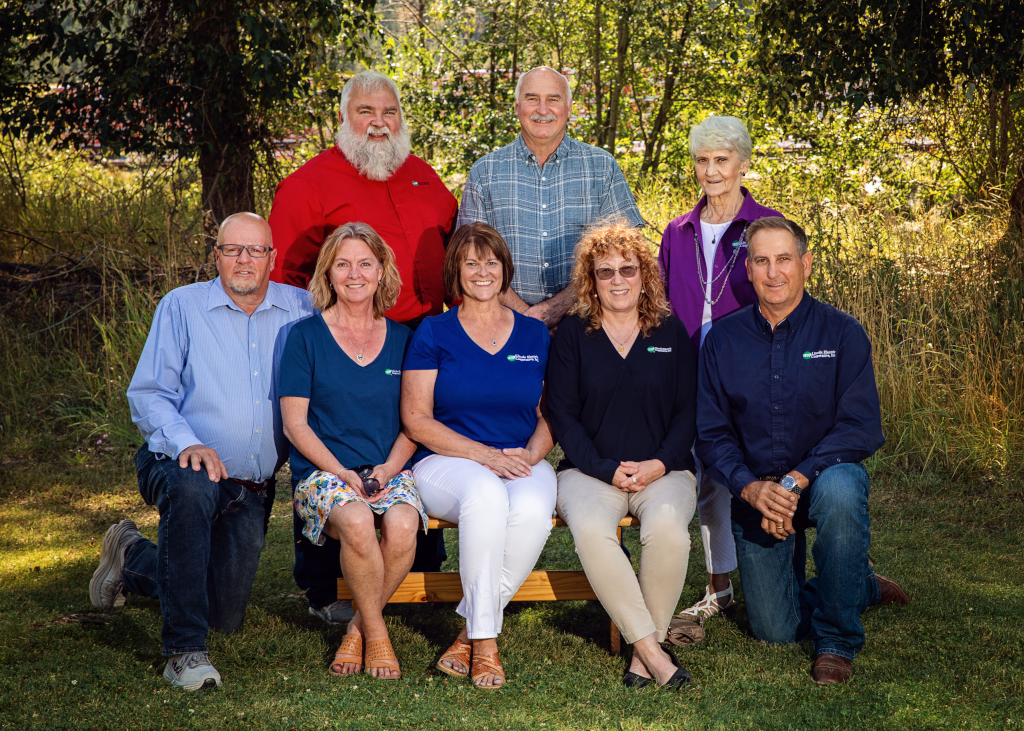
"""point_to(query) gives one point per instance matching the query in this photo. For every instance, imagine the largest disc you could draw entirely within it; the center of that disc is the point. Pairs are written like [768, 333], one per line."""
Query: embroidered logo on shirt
[652, 349]
[812, 354]
[392, 372]
[523, 358]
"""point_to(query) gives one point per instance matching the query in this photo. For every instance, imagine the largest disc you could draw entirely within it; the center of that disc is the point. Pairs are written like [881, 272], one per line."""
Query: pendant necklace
[726, 271]
[622, 345]
[359, 355]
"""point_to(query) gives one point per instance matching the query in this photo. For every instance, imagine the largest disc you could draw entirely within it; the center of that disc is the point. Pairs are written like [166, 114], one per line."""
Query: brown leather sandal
[380, 654]
[460, 652]
[350, 650]
[487, 665]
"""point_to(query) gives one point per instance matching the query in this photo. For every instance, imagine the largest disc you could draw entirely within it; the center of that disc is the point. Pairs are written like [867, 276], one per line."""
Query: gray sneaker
[191, 671]
[105, 588]
[338, 612]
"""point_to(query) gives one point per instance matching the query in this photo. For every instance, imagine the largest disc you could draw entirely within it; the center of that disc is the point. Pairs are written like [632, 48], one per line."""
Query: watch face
[788, 483]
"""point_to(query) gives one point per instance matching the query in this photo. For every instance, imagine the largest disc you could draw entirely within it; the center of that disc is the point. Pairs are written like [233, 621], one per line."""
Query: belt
[771, 478]
[254, 486]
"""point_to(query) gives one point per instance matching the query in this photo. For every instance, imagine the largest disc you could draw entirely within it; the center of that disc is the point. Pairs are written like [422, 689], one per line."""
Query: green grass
[952, 659]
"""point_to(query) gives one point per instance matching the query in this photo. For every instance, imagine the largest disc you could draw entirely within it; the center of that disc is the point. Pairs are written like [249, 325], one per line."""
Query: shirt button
[546, 264]
[257, 403]
[778, 347]
[776, 407]
[255, 373]
[544, 234]
[257, 431]
[252, 456]
[543, 205]
[775, 377]
[254, 345]
[543, 178]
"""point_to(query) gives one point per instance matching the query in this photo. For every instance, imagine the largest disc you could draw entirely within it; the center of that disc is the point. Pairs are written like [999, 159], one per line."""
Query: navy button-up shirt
[802, 397]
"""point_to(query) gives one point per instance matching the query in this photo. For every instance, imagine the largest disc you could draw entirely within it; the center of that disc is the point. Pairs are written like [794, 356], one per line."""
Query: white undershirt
[710, 234]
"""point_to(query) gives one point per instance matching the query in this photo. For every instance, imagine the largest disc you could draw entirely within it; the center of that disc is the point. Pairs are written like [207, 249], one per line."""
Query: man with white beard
[369, 176]
[541, 192]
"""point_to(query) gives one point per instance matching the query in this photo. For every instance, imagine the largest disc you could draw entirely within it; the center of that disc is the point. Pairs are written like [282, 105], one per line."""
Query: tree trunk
[226, 171]
[611, 132]
[655, 140]
[598, 91]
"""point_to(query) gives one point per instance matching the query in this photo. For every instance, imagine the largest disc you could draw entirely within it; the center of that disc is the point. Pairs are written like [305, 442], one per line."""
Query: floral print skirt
[321, 491]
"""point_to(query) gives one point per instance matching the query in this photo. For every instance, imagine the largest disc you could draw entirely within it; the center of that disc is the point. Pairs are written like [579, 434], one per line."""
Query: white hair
[565, 80]
[720, 133]
[370, 81]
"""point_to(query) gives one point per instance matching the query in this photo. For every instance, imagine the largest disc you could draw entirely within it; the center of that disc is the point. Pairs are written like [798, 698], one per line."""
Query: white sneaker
[710, 605]
[339, 612]
[191, 671]
[105, 588]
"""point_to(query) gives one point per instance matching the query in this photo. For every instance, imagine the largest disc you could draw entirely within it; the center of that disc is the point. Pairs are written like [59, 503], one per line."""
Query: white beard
[374, 160]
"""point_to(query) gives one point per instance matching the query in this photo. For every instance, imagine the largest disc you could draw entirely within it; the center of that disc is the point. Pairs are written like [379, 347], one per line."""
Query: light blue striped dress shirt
[206, 373]
[542, 212]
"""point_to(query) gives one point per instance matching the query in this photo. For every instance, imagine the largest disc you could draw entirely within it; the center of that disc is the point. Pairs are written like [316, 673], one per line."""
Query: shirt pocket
[816, 386]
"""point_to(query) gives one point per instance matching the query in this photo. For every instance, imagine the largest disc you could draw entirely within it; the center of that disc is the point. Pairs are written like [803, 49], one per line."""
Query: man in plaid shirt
[541, 192]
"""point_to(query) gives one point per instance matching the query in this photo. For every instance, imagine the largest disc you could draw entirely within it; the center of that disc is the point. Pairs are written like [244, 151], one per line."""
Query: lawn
[952, 659]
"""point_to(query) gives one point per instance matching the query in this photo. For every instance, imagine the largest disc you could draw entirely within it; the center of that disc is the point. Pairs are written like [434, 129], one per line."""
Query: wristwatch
[789, 485]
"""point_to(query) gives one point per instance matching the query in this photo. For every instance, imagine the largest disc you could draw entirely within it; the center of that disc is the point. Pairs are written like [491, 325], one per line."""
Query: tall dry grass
[941, 300]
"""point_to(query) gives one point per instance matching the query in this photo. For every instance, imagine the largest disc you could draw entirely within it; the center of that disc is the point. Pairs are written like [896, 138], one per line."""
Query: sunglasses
[627, 272]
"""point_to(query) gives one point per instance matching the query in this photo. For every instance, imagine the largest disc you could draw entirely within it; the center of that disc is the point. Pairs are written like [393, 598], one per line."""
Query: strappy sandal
[487, 665]
[712, 604]
[350, 650]
[380, 654]
[460, 652]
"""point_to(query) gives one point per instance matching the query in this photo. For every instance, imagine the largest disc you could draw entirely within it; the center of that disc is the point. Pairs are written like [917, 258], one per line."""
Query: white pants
[503, 526]
[714, 504]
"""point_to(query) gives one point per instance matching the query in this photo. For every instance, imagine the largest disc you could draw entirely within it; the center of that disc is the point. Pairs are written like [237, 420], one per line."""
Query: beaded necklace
[726, 271]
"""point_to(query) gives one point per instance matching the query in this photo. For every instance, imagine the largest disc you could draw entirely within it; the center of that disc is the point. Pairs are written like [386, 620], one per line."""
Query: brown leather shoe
[831, 669]
[892, 593]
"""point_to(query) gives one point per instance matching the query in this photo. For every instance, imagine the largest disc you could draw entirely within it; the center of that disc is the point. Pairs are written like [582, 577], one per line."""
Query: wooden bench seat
[540, 586]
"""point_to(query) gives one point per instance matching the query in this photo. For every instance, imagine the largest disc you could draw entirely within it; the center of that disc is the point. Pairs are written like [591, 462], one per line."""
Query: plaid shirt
[542, 212]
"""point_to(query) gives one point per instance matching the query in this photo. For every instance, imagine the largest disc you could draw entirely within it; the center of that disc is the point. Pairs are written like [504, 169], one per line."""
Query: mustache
[371, 130]
[543, 117]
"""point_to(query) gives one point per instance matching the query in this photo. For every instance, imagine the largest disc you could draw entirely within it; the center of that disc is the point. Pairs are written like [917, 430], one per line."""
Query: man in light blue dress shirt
[541, 192]
[201, 396]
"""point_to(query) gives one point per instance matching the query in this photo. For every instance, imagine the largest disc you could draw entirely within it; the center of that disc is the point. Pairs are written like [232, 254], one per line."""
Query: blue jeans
[782, 607]
[207, 551]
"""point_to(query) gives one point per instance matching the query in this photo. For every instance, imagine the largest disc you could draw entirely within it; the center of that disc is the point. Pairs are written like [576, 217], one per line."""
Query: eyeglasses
[627, 272]
[255, 251]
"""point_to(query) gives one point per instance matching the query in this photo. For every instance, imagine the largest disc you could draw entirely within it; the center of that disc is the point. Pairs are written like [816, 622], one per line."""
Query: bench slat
[539, 586]
[627, 522]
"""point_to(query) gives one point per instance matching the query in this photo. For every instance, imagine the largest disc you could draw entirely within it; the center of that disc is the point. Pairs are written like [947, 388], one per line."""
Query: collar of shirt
[219, 297]
[751, 210]
[565, 148]
[793, 320]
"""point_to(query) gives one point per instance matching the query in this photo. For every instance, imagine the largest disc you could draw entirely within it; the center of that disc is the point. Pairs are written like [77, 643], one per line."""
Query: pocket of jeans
[230, 500]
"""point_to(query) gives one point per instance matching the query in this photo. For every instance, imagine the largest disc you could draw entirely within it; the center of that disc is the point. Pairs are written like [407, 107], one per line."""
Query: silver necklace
[726, 271]
[621, 345]
[359, 355]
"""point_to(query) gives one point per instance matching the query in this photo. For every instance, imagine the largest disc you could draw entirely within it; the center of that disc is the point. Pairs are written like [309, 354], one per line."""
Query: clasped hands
[776, 505]
[508, 463]
[635, 476]
[383, 473]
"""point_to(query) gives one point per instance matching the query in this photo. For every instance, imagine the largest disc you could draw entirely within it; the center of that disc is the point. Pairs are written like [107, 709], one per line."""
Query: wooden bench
[540, 586]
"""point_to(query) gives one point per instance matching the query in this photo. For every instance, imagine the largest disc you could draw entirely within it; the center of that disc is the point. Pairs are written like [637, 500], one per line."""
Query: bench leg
[615, 639]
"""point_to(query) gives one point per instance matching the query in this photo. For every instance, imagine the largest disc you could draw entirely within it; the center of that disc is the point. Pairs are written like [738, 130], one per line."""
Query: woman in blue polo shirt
[472, 392]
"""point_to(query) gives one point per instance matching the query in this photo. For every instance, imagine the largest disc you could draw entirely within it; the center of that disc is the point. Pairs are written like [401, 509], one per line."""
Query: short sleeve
[297, 365]
[422, 354]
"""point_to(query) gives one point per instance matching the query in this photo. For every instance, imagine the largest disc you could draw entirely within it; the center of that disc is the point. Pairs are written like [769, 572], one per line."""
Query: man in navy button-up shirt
[787, 409]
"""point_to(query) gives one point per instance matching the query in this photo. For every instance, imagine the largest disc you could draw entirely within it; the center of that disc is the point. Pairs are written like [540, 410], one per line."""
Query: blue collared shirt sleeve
[155, 393]
[856, 433]
[618, 201]
[718, 445]
[473, 206]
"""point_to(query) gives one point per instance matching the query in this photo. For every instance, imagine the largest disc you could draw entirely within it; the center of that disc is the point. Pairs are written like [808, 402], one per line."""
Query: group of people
[702, 379]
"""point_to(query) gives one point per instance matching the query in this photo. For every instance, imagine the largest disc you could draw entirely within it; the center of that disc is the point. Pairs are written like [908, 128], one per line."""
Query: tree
[197, 78]
[816, 53]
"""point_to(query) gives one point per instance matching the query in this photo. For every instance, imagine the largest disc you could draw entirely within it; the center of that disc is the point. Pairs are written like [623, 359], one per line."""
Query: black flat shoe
[632, 680]
[681, 677]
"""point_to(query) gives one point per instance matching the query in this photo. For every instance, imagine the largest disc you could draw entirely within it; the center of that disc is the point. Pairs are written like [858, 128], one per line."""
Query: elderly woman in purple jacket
[703, 255]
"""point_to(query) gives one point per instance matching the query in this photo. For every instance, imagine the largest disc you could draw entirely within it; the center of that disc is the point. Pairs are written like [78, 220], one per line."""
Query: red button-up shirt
[412, 210]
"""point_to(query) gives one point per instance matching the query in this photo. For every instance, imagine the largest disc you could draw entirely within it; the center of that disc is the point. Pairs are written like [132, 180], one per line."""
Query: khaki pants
[593, 510]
